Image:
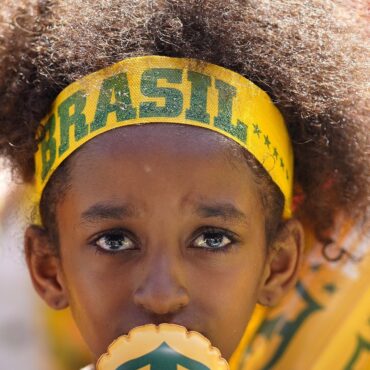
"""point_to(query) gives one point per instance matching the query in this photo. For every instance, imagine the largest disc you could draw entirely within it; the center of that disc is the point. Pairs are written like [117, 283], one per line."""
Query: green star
[362, 347]
[281, 163]
[276, 153]
[267, 141]
[256, 130]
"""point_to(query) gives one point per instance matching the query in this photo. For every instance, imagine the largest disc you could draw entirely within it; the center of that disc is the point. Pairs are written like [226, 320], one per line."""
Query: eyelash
[222, 232]
[113, 233]
[199, 233]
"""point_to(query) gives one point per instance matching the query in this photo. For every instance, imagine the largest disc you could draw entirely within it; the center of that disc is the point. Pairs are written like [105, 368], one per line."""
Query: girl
[164, 179]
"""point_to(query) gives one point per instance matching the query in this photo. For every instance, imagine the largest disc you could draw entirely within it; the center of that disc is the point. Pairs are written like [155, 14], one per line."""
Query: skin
[182, 212]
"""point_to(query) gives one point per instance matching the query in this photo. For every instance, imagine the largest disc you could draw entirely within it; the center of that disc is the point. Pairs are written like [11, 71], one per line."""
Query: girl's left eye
[114, 242]
[213, 240]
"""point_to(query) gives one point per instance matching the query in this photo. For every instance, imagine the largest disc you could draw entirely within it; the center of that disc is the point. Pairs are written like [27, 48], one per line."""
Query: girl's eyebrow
[109, 210]
[226, 211]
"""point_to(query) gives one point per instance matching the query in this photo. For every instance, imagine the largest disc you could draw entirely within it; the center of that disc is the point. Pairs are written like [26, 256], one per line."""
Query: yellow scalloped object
[167, 346]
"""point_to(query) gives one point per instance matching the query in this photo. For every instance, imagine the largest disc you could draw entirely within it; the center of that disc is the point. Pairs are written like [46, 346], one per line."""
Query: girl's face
[161, 223]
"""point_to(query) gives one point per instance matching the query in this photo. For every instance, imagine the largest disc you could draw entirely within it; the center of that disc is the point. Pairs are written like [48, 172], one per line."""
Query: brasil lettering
[115, 98]
[156, 89]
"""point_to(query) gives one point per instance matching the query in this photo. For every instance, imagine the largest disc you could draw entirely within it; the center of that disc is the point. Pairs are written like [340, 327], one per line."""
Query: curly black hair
[311, 58]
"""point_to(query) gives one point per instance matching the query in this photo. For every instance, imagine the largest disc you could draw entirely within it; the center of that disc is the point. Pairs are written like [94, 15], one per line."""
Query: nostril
[160, 303]
[160, 308]
[161, 289]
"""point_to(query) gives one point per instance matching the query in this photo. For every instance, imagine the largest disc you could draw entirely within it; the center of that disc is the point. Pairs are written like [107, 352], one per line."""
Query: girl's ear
[45, 268]
[283, 263]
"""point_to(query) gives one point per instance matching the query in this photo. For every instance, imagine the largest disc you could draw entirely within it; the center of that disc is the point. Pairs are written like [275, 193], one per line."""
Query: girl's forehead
[152, 182]
[146, 162]
[158, 139]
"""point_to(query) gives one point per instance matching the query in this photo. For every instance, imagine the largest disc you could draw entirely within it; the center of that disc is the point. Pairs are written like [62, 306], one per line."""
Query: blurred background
[31, 336]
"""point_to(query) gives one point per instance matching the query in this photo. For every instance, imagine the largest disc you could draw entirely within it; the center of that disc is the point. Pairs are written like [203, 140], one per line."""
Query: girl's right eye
[114, 242]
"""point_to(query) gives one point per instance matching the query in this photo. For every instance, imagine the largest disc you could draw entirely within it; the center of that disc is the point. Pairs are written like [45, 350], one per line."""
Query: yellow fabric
[254, 323]
[155, 89]
[325, 322]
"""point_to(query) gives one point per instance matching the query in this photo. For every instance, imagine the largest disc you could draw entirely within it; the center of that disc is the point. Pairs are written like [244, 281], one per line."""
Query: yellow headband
[154, 89]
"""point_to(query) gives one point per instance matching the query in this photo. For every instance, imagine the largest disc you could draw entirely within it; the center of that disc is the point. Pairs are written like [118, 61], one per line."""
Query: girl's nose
[161, 290]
